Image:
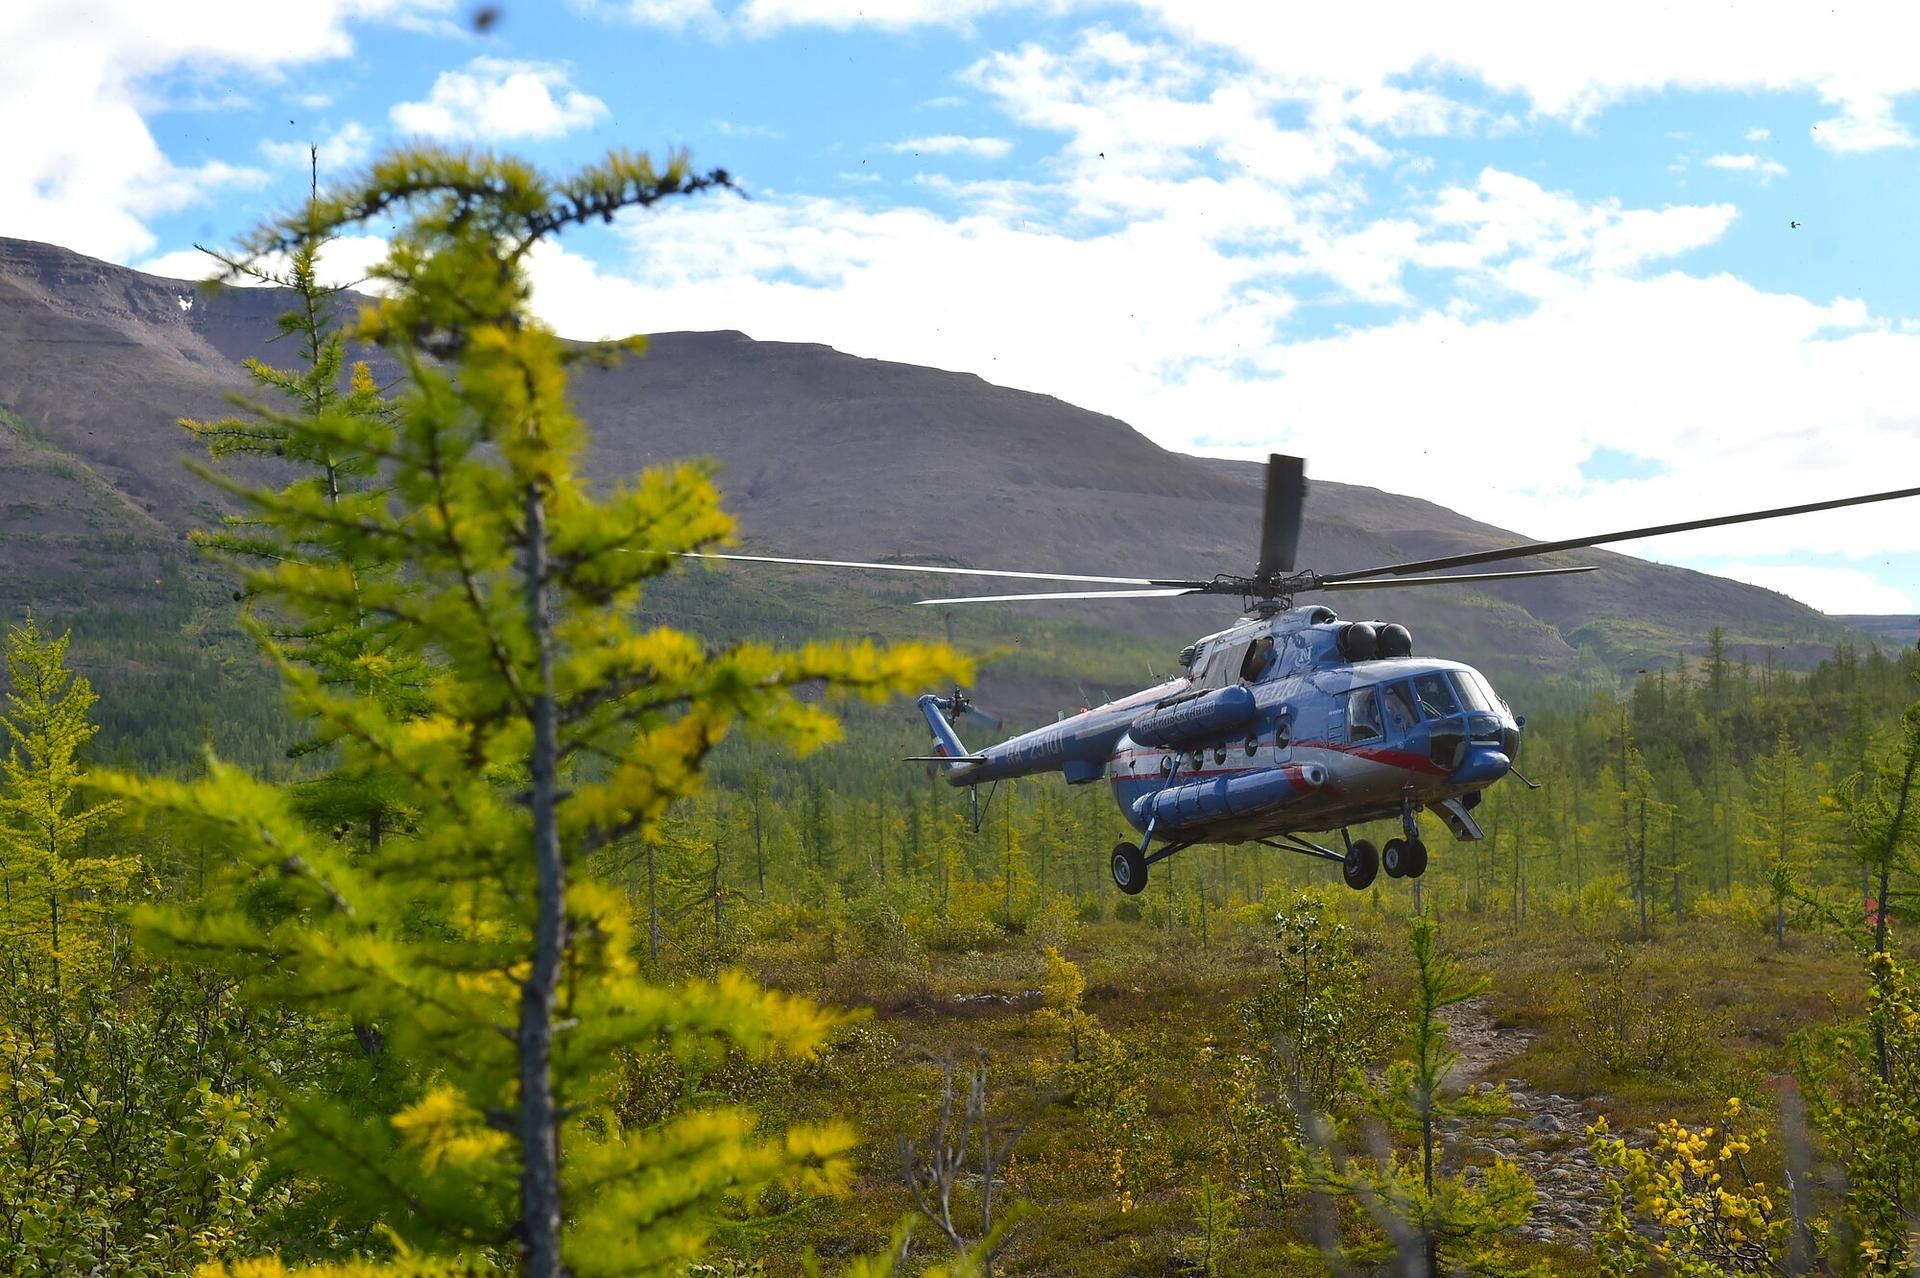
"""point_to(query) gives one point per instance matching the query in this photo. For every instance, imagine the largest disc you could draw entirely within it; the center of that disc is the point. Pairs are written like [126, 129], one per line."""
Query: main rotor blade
[960, 572]
[1166, 593]
[1383, 583]
[1630, 534]
[1280, 515]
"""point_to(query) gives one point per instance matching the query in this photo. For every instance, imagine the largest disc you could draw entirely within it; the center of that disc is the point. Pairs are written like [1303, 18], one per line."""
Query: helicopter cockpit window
[1470, 691]
[1435, 696]
[1254, 664]
[1363, 715]
[1400, 712]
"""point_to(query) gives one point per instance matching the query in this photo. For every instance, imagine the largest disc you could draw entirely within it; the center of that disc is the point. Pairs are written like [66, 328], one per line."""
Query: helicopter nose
[1482, 766]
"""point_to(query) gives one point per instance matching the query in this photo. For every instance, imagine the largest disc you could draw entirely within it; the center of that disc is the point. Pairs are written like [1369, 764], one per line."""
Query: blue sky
[1564, 268]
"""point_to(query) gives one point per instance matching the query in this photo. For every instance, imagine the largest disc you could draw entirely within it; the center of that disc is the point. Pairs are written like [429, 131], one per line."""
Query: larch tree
[559, 722]
[46, 872]
[356, 648]
[1430, 1222]
[1781, 818]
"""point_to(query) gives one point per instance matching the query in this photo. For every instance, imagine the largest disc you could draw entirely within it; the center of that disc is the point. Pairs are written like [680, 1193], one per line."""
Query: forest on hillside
[561, 941]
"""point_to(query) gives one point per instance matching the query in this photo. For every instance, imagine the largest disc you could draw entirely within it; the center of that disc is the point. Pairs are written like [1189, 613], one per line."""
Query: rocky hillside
[822, 454]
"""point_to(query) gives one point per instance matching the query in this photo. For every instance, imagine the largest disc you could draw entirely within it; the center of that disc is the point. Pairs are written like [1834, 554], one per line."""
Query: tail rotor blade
[990, 722]
[1280, 516]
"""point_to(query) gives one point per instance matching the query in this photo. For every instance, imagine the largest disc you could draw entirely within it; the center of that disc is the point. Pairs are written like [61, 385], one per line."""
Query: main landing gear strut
[1401, 858]
[1130, 864]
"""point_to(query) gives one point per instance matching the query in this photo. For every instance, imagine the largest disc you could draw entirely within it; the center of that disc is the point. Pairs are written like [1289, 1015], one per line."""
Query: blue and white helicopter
[1289, 722]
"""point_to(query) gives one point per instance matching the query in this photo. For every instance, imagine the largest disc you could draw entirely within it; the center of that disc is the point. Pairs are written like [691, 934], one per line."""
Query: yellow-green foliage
[553, 693]
[1686, 1205]
[1448, 1223]
[50, 894]
[1061, 1013]
[127, 1145]
[1863, 1097]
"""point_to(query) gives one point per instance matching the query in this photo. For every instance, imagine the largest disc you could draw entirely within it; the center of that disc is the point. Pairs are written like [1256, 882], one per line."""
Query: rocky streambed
[1543, 1133]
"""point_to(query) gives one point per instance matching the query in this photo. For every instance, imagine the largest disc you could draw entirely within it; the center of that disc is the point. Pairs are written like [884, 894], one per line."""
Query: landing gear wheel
[1394, 859]
[1416, 858]
[1361, 864]
[1129, 869]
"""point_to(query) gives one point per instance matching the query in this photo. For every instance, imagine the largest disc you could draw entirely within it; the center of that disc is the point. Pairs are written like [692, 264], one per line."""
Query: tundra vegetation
[544, 950]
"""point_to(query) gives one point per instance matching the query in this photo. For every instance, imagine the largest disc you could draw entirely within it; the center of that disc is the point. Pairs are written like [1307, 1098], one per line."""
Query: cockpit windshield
[1472, 690]
[1435, 695]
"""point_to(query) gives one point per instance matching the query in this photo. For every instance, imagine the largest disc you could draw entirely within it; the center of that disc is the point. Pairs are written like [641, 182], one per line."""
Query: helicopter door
[1401, 717]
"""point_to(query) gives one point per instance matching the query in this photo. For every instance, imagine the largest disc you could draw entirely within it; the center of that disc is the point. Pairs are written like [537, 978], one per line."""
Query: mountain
[1893, 630]
[823, 454]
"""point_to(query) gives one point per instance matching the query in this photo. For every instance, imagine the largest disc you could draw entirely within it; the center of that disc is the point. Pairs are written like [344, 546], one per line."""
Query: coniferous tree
[310, 430]
[558, 723]
[1780, 822]
[47, 876]
[1433, 1222]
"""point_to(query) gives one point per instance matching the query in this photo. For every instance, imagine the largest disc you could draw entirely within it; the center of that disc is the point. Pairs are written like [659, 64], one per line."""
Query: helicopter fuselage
[1283, 724]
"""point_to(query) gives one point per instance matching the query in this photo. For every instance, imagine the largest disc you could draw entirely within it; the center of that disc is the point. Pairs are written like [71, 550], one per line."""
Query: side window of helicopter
[1400, 713]
[1435, 696]
[1363, 715]
[1254, 664]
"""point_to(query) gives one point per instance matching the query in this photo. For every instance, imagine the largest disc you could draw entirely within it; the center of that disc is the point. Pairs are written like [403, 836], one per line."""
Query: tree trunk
[759, 848]
[1673, 853]
[1640, 876]
[539, 1116]
[653, 909]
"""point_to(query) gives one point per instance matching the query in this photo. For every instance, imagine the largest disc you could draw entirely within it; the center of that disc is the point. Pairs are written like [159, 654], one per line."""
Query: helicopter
[1290, 722]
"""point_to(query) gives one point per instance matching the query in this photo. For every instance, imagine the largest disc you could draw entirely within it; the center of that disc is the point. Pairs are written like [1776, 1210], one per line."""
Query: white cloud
[954, 144]
[1739, 397]
[734, 129]
[890, 15]
[345, 148]
[343, 262]
[674, 13]
[1758, 165]
[92, 182]
[1831, 590]
[493, 99]
[1759, 135]
[1567, 65]
[1865, 124]
[1854, 55]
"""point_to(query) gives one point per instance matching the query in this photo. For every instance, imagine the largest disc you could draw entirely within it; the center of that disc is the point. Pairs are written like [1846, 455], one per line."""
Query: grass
[1171, 1007]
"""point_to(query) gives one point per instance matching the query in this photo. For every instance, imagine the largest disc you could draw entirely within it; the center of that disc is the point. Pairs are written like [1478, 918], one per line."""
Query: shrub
[1622, 1026]
[1687, 1204]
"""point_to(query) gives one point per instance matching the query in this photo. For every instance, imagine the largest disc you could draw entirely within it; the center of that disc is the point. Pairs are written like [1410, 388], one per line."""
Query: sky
[1565, 268]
